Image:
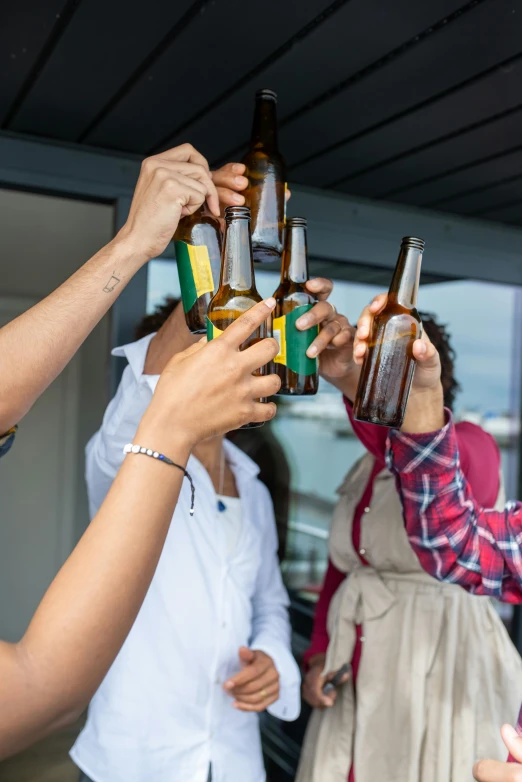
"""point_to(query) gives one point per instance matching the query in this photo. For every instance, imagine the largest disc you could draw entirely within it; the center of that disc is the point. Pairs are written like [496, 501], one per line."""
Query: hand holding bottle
[209, 389]
[171, 185]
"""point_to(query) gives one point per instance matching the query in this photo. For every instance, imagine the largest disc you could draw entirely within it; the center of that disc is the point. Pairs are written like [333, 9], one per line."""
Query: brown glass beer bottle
[387, 370]
[298, 373]
[198, 256]
[237, 288]
[265, 169]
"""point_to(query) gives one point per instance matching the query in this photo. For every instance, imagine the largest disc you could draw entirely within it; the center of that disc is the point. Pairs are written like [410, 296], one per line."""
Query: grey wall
[43, 240]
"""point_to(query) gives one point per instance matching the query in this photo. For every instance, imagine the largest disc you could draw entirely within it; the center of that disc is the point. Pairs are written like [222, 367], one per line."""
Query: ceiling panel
[443, 166]
[490, 195]
[483, 98]
[478, 40]
[102, 46]
[317, 64]
[25, 26]
[507, 214]
[210, 54]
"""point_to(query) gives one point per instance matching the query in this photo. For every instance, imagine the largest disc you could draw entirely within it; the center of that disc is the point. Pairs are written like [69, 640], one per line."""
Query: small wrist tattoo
[113, 281]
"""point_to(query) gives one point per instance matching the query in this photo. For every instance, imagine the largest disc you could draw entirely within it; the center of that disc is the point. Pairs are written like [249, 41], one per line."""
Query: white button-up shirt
[161, 714]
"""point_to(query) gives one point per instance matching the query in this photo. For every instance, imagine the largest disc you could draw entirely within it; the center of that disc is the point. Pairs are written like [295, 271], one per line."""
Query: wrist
[425, 410]
[316, 661]
[166, 437]
[129, 249]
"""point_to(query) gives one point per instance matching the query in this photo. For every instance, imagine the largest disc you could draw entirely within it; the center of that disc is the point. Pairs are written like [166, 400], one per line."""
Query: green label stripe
[187, 283]
[212, 331]
[295, 343]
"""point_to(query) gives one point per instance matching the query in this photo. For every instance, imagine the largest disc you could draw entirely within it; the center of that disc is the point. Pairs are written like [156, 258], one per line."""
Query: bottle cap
[234, 212]
[296, 222]
[268, 94]
[412, 241]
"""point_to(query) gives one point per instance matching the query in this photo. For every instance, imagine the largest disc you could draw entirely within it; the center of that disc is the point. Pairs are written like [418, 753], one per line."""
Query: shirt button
[363, 639]
[218, 680]
[362, 552]
[367, 509]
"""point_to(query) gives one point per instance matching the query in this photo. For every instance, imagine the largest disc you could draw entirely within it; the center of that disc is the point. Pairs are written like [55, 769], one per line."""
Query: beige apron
[438, 674]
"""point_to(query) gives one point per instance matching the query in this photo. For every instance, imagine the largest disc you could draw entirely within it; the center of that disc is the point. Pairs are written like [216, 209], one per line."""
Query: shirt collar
[238, 460]
[135, 353]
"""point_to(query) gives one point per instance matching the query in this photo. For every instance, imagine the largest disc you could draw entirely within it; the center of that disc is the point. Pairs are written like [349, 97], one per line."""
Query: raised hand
[209, 389]
[170, 186]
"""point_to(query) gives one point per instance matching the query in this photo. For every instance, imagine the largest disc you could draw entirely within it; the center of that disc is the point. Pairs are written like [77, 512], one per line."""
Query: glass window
[314, 432]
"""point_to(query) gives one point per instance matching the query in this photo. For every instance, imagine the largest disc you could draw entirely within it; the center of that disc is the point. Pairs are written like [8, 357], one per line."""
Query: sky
[480, 318]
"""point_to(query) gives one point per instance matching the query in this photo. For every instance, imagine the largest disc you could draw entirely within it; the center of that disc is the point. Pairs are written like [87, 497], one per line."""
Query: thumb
[425, 353]
[512, 741]
[246, 655]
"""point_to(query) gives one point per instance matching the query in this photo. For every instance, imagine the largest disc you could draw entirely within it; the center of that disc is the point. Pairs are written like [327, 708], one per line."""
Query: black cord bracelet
[131, 448]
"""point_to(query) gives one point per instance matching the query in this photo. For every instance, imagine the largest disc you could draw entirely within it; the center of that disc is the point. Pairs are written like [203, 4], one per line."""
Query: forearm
[425, 410]
[36, 346]
[91, 605]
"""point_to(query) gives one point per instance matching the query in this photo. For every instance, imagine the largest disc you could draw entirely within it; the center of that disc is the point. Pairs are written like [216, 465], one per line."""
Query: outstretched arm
[35, 347]
[75, 634]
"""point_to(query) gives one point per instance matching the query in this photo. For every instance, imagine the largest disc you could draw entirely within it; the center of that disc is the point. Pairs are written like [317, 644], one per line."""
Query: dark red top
[480, 462]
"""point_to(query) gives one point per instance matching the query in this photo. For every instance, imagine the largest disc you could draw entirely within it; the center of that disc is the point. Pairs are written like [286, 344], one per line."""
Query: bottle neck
[264, 128]
[237, 269]
[405, 283]
[295, 257]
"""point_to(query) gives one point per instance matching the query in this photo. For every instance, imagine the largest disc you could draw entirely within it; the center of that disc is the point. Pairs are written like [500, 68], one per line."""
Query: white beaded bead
[156, 455]
[135, 449]
[143, 450]
[128, 448]
[149, 452]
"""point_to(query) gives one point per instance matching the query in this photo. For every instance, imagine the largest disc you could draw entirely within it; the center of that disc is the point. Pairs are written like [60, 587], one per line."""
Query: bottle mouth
[296, 222]
[267, 95]
[414, 242]
[237, 212]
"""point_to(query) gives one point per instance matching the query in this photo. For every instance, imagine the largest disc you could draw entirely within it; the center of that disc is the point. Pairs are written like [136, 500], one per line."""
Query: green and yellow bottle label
[293, 343]
[212, 331]
[195, 272]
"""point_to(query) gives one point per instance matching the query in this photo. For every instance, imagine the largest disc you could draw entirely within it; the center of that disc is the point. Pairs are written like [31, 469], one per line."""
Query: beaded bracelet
[131, 448]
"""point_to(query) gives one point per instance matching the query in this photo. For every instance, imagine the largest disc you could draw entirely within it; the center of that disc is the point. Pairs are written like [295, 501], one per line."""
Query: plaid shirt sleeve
[455, 539]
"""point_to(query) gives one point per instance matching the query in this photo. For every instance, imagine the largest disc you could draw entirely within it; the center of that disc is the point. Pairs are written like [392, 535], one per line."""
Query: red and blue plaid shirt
[454, 538]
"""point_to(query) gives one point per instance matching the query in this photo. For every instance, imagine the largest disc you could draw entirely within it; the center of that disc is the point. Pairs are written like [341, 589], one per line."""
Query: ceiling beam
[342, 229]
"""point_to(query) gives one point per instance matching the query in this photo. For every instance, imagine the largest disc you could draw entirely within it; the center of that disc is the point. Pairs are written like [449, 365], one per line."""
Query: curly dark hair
[151, 323]
[438, 334]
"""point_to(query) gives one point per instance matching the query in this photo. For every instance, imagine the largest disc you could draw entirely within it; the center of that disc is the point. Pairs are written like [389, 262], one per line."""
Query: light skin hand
[314, 682]
[496, 771]
[256, 686]
[170, 186]
[230, 181]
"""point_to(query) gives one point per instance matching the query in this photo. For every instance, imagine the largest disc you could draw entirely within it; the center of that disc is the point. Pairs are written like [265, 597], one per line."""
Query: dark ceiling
[412, 101]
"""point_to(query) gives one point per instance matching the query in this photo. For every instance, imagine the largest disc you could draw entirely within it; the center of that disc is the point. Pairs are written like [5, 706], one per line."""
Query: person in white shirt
[211, 644]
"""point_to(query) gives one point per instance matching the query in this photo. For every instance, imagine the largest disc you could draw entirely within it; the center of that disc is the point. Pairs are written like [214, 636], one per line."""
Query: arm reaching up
[36, 346]
[49, 677]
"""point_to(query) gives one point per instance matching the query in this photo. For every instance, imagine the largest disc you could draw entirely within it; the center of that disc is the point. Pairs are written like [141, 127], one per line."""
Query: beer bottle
[265, 169]
[298, 373]
[388, 366]
[237, 288]
[198, 255]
